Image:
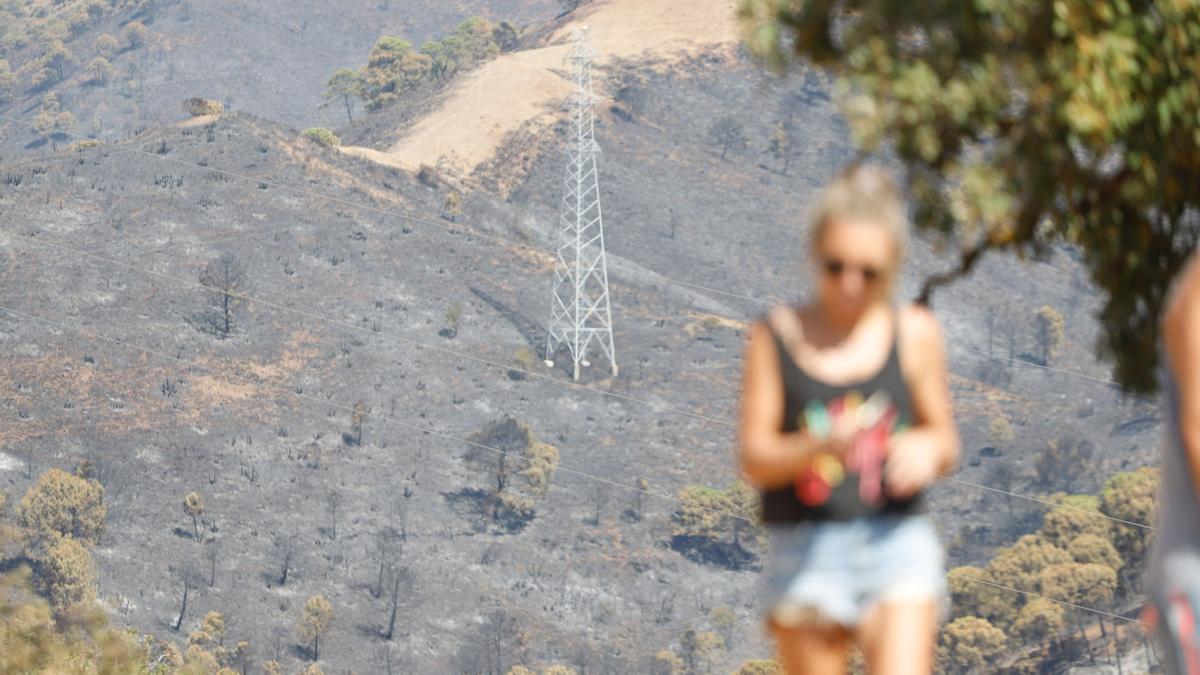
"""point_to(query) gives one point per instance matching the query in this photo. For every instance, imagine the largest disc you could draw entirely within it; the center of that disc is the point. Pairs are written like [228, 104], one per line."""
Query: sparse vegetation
[315, 621]
[727, 134]
[225, 282]
[323, 137]
[395, 68]
[199, 107]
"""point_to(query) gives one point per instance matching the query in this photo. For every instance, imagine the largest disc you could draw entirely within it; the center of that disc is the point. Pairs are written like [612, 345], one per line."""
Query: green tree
[61, 504]
[106, 45]
[1131, 496]
[1038, 620]
[1000, 431]
[518, 465]
[37, 642]
[667, 662]
[57, 58]
[1089, 548]
[700, 650]
[973, 594]
[315, 621]
[971, 642]
[717, 514]
[99, 70]
[193, 506]
[66, 573]
[135, 33]
[1075, 515]
[393, 68]
[322, 136]
[346, 85]
[1087, 584]
[1020, 564]
[452, 210]
[1023, 125]
[1048, 332]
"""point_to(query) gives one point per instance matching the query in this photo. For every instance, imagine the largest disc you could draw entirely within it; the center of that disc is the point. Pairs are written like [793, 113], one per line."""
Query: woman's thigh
[813, 650]
[897, 637]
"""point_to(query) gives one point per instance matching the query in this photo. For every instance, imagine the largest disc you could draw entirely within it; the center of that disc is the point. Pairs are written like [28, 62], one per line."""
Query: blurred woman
[845, 420]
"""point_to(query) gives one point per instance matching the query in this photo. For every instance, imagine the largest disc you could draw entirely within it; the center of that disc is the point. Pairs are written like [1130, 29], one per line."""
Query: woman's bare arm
[931, 446]
[770, 458]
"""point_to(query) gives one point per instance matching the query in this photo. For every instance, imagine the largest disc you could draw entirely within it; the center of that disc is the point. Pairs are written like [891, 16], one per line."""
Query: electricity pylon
[580, 314]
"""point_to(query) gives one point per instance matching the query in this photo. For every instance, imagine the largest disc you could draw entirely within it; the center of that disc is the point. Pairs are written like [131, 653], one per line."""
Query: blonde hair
[862, 192]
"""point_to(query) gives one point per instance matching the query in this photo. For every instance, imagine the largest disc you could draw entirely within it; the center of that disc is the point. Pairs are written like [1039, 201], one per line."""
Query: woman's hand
[913, 459]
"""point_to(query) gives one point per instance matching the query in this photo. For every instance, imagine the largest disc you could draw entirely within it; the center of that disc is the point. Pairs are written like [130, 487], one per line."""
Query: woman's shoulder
[919, 326]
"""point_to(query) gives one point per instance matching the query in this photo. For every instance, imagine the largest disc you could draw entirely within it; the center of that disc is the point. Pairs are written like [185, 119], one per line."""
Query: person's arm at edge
[1181, 332]
[769, 457]
[929, 386]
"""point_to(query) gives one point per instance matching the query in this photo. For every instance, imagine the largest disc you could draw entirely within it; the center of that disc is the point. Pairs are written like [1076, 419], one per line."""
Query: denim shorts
[835, 571]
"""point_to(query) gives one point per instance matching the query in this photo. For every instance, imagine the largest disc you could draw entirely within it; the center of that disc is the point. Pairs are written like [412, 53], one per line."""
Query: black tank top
[830, 488]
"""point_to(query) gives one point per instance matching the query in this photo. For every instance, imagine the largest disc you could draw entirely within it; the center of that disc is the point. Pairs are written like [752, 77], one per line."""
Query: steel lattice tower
[580, 314]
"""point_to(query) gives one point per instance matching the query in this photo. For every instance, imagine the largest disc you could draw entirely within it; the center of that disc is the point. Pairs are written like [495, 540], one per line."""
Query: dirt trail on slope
[530, 86]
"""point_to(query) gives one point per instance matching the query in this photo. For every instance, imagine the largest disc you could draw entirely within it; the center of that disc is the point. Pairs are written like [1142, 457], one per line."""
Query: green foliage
[519, 474]
[346, 85]
[717, 514]
[60, 505]
[394, 67]
[1048, 332]
[525, 358]
[700, 650]
[1131, 496]
[970, 642]
[66, 574]
[193, 506]
[1089, 548]
[1076, 515]
[1087, 584]
[99, 70]
[1019, 565]
[35, 642]
[322, 136]
[452, 209]
[760, 667]
[1039, 619]
[106, 45]
[135, 33]
[1024, 124]
[197, 107]
[1000, 431]
[315, 621]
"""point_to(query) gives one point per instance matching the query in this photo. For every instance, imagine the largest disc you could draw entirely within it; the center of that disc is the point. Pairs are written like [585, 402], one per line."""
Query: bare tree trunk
[391, 629]
[183, 605]
[1086, 643]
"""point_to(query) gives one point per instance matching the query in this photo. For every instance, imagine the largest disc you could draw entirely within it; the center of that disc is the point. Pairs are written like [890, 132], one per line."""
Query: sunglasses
[836, 268]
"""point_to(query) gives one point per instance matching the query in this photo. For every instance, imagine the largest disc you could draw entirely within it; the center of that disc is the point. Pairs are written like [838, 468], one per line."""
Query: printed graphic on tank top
[852, 486]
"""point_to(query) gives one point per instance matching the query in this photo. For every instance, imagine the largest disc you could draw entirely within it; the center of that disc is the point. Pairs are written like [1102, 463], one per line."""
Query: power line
[1061, 602]
[463, 355]
[454, 230]
[94, 336]
[42, 240]
[1046, 502]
